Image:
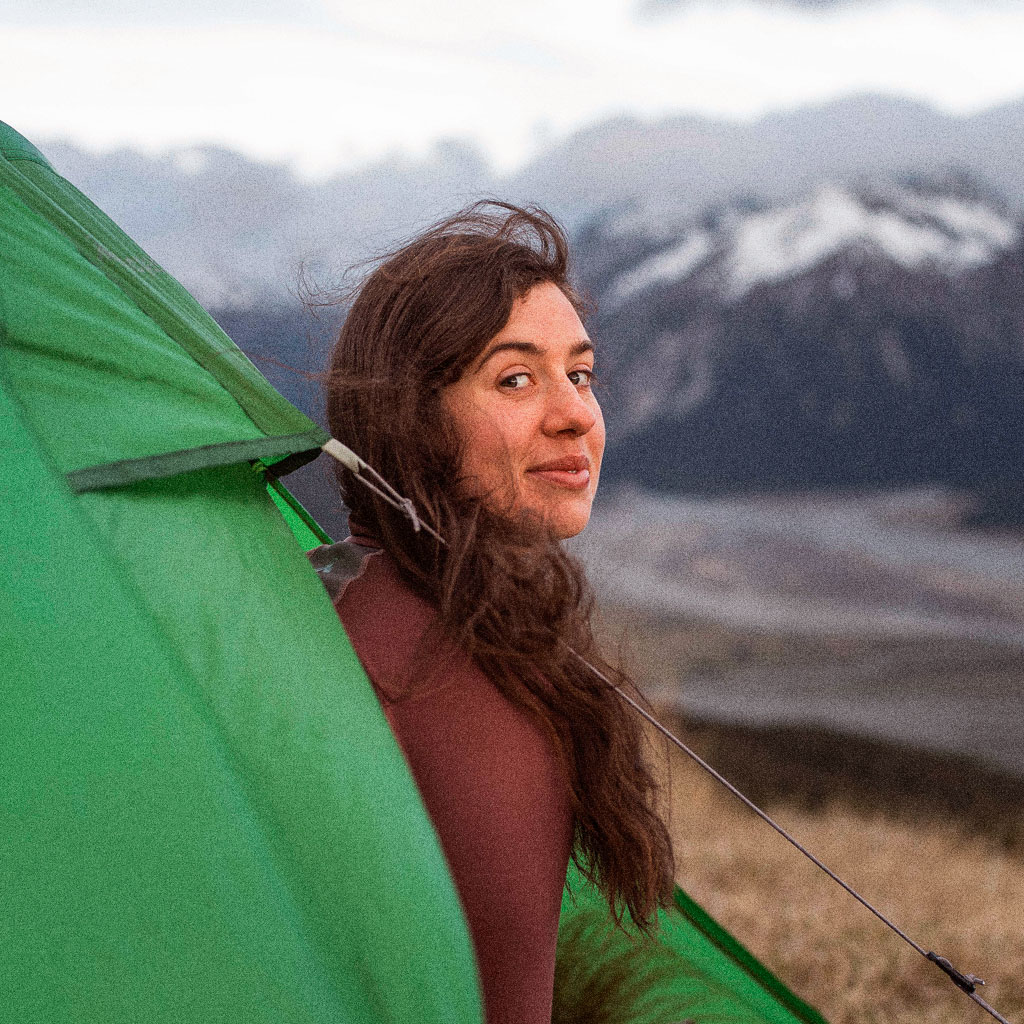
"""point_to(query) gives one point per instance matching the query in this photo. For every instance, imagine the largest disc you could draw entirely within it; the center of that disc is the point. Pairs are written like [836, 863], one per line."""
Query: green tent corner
[689, 969]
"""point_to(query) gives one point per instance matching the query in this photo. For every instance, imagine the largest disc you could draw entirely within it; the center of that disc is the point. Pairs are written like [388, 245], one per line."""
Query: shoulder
[489, 776]
[440, 704]
[442, 707]
[388, 623]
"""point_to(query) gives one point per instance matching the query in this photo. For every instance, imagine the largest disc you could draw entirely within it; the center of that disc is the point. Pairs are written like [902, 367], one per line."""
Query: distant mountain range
[679, 166]
[236, 231]
[854, 337]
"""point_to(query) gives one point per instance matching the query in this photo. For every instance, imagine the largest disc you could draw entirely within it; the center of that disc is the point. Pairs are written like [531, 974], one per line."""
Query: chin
[570, 531]
[567, 522]
[564, 517]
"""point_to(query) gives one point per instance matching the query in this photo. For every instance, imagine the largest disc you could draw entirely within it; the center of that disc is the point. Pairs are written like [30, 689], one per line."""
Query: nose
[567, 410]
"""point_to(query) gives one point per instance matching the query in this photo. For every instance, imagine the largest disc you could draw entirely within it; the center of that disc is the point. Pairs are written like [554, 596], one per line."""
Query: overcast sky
[326, 84]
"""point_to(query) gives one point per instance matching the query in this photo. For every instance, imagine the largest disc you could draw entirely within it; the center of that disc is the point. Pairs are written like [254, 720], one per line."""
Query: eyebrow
[584, 345]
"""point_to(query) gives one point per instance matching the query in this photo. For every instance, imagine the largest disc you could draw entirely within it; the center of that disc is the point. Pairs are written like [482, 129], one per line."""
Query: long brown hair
[507, 593]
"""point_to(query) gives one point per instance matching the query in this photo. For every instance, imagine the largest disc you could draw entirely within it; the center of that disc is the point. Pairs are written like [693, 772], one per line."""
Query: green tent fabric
[139, 882]
[105, 336]
[689, 969]
[203, 813]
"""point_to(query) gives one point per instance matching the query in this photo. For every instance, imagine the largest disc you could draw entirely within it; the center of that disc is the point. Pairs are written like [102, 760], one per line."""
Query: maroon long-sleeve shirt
[488, 776]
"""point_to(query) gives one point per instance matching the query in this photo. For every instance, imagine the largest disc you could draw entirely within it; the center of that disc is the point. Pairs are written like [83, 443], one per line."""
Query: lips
[571, 472]
[567, 464]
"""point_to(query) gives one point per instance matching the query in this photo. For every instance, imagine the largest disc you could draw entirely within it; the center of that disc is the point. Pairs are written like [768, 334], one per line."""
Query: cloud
[122, 13]
[654, 8]
[646, 9]
[371, 79]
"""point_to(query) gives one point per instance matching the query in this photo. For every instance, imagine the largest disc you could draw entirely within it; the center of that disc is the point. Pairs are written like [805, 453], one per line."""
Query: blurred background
[803, 226]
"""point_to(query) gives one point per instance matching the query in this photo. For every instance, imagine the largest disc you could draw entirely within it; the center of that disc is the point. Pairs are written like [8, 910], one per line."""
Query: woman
[463, 374]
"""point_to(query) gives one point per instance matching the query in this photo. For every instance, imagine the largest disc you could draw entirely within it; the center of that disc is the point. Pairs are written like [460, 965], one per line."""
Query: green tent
[203, 813]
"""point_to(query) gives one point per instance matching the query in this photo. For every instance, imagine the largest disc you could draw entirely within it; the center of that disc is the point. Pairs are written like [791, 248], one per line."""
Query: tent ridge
[304, 447]
[14, 146]
[148, 286]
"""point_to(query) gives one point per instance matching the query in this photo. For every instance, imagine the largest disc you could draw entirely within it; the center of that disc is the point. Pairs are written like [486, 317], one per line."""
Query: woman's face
[531, 426]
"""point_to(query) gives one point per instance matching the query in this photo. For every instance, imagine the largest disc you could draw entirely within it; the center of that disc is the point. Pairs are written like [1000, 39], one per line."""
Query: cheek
[493, 444]
[499, 428]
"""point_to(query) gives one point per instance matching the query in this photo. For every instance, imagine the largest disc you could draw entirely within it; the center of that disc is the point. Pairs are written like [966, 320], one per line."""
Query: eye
[581, 378]
[515, 382]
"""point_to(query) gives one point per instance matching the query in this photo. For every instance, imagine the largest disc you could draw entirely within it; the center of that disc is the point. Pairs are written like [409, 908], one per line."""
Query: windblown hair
[507, 592]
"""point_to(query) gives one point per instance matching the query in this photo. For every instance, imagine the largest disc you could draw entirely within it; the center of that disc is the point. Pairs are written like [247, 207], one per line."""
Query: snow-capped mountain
[851, 335]
[745, 249]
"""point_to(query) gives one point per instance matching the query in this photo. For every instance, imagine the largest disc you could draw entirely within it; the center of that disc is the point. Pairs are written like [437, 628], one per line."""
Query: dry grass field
[935, 842]
[959, 894]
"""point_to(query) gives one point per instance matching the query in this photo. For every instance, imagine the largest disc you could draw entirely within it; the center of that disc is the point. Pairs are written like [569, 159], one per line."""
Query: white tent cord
[370, 478]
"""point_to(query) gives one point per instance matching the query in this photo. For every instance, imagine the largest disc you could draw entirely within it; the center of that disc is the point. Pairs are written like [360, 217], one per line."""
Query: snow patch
[674, 264]
[913, 231]
[965, 219]
[192, 161]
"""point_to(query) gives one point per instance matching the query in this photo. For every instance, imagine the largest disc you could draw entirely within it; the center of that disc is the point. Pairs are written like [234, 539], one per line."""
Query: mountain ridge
[236, 231]
[868, 361]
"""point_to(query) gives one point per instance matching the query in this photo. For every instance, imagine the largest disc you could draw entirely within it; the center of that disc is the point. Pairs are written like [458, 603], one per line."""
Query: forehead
[544, 316]
[543, 323]
[544, 307]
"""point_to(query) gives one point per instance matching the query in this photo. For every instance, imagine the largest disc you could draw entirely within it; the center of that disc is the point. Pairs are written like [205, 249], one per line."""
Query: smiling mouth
[572, 473]
[572, 479]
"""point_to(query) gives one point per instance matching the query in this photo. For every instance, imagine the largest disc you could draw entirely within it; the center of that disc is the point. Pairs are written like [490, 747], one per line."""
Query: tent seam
[738, 954]
[185, 460]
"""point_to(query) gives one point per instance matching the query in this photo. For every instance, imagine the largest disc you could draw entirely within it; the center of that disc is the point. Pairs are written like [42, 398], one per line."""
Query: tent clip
[967, 982]
[410, 511]
[371, 479]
